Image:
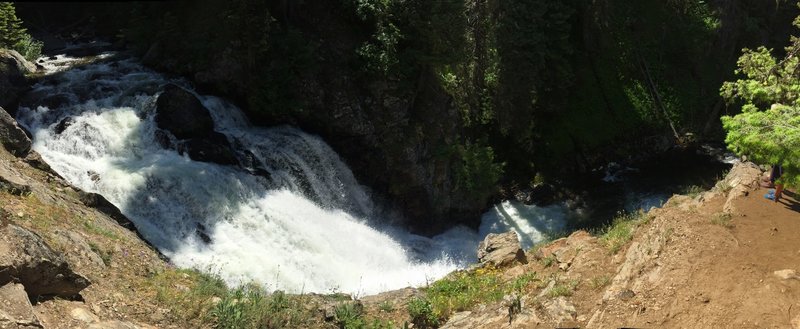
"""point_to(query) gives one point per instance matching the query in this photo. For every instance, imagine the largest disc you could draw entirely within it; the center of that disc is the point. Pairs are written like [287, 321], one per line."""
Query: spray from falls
[303, 225]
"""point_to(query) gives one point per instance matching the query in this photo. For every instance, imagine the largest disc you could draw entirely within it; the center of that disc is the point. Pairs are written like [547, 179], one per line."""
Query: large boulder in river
[27, 259]
[501, 250]
[12, 137]
[12, 77]
[182, 114]
[212, 148]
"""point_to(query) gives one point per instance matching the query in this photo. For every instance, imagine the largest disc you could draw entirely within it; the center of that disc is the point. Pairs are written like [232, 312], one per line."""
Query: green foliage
[380, 53]
[350, 316]
[14, 36]
[768, 129]
[478, 172]
[463, 290]
[422, 313]
[563, 289]
[205, 298]
[621, 230]
[533, 47]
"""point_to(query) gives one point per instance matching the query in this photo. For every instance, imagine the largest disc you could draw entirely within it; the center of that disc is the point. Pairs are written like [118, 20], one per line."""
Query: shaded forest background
[436, 104]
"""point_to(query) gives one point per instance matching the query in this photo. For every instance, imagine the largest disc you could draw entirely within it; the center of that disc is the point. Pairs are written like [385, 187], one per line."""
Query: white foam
[532, 223]
[308, 227]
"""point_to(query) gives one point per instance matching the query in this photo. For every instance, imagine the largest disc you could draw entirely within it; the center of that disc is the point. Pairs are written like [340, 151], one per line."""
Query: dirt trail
[714, 270]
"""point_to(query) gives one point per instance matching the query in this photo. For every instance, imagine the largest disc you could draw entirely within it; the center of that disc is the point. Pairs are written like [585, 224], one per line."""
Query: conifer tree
[768, 129]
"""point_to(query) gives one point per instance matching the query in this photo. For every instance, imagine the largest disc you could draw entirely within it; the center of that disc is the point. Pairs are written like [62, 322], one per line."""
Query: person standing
[774, 178]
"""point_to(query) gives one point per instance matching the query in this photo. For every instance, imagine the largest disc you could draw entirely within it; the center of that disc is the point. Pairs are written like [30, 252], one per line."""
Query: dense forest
[438, 104]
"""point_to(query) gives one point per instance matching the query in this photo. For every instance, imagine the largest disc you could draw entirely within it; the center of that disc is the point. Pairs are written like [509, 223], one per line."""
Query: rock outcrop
[13, 83]
[182, 114]
[741, 180]
[12, 136]
[16, 311]
[501, 250]
[100, 203]
[27, 259]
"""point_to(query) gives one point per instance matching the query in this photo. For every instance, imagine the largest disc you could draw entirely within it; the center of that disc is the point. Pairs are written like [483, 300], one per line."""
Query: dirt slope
[690, 264]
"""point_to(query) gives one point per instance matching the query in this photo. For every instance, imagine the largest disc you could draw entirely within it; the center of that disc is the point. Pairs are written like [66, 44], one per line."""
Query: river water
[308, 226]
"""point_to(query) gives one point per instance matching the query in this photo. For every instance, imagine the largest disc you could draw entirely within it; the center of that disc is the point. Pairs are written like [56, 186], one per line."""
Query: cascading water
[293, 217]
[306, 226]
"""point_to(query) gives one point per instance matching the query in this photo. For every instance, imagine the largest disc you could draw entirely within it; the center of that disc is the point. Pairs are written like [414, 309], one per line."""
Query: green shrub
[621, 230]
[198, 297]
[422, 313]
[350, 316]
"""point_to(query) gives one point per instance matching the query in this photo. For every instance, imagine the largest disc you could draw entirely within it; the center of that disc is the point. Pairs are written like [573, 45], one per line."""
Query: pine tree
[768, 129]
[11, 30]
[14, 36]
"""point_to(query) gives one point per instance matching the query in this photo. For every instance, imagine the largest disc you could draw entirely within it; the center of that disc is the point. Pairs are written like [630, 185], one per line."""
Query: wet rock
[163, 139]
[34, 159]
[12, 136]
[201, 233]
[212, 148]
[182, 114]
[15, 308]
[501, 250]
[26, 258]
[13, 83]
[63, 125]
[100, 203]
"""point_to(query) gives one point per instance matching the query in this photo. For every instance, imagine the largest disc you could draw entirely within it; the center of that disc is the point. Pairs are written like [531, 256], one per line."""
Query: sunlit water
[307, 226]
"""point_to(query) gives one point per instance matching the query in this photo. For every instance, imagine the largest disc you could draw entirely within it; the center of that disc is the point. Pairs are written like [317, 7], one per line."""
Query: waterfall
[307, 226]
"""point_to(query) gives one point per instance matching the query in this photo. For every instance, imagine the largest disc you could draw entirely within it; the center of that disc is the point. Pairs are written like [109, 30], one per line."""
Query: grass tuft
[621, 230]
[563, 289]
[722, 219]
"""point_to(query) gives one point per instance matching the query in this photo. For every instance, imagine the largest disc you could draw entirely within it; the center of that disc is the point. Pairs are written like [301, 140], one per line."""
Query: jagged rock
[12, 136]
[12, 77]
[501, 250]
[63, 125]
[100, 203]
[81, 252]
[83, 315]
[25, 257]
[181, 113]
[566, 250]
[16, 311]
[560, 309]
[743, 178]
[34, 159]
[212, 148]
[13, 183]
